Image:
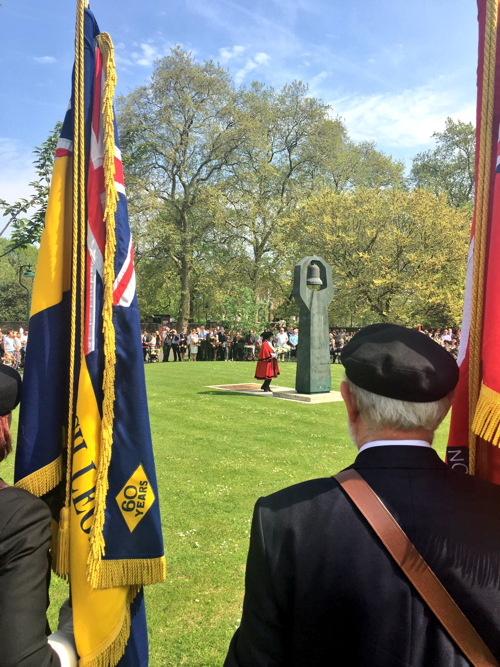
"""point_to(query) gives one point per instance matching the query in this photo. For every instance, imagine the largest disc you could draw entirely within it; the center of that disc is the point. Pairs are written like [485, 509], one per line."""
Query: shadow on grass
[227, 392]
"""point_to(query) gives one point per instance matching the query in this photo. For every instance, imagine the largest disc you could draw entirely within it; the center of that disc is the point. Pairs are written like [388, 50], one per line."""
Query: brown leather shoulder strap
[416, 569]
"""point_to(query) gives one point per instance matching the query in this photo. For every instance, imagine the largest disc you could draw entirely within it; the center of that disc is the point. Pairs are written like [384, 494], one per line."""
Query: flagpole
[483, 185]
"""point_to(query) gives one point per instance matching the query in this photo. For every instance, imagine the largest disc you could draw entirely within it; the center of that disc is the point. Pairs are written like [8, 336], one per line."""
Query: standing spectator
[183, 344]
[339, 346]
[8, 343]
[293, 341]
[202, 350]
[167, 344]
[238, 348]
[17, 349]
[249, 344]
[222, 338]
[446, 335]
[282, 342]
[228, 352]
[212, 345]
[176, 341]
[194, 343]
[146, 339]
[24, 343]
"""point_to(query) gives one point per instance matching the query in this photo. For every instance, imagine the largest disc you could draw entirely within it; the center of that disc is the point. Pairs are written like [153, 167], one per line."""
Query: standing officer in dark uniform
[221, 348]
[321, 589]
[203, 349]
[167, 343]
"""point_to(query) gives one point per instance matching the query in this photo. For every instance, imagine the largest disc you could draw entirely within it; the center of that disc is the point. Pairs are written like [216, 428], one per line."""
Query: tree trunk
[185, 274]
[185, 302]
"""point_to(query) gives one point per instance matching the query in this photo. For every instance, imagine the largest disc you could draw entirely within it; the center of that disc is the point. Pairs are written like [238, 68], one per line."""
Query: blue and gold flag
[84, 368]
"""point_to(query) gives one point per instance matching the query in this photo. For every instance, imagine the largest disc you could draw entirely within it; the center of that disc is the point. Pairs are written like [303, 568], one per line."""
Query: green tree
[343, 164]
[395, 256]
[449, 168]
[13, 295]
[178, 136]
[291, 149]
[276, 167]
[27, 216]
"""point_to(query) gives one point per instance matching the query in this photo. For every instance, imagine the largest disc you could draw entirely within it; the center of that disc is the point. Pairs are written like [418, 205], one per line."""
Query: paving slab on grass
[285, 393]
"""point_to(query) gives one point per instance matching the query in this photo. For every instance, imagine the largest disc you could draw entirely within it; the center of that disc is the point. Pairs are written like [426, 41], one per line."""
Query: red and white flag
[474, 440]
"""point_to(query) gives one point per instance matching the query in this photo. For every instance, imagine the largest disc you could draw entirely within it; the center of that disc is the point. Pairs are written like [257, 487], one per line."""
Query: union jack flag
[115, 541]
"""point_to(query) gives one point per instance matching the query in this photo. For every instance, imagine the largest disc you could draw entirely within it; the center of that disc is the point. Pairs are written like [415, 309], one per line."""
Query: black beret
[401, 363]
[10, 389]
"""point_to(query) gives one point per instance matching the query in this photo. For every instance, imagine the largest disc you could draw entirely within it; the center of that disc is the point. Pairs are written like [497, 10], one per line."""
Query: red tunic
[267, 366]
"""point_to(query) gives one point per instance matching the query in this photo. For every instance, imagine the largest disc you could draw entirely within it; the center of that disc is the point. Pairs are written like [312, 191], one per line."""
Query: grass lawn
[216, 453]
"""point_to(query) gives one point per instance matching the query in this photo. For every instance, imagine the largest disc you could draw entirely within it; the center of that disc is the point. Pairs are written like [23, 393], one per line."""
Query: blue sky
[394, 70]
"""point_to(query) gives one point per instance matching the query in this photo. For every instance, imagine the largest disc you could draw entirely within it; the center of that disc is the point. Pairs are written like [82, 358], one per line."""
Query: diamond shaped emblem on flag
[135, 498]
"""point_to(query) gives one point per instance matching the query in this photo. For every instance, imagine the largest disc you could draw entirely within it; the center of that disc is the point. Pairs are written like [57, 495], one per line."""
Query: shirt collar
[389, 443]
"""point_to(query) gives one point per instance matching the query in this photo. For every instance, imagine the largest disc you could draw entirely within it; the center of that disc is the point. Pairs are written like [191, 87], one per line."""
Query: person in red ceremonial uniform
[267, 366]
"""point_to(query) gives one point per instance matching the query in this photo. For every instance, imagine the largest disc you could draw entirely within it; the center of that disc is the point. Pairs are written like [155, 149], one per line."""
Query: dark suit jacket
[24, 544]
[322, 590]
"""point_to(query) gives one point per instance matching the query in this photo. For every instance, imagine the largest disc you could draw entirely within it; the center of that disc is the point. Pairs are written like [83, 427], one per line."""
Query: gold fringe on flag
[97, 545]
[44, 479]
[113, 652]
[487, 418]
[142, 571]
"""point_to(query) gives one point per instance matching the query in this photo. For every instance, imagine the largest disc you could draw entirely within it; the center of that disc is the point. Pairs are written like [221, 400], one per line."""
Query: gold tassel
[61, 555]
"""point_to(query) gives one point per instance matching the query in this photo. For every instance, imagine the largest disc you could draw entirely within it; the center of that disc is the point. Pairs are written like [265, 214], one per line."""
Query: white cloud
[147, 55]
[45, 60]
[259, 60]
[403, 119]
[226, 54]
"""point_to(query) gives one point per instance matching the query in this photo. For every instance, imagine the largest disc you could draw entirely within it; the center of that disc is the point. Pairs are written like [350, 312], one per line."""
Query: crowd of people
[218, 344]
[13, 347]
[221, 344]
[448, 338]
[214, 344]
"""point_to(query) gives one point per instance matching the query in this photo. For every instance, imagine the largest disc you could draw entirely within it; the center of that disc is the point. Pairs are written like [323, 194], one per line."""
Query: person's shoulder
[311, 491]
[18, 503]
[470, 484]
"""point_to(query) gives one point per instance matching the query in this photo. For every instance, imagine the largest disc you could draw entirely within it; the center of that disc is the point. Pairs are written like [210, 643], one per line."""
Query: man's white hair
[381, 411]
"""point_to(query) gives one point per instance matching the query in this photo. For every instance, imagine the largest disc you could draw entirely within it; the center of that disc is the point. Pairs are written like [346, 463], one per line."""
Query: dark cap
[400, 363]
[10, 389]
[265, 335]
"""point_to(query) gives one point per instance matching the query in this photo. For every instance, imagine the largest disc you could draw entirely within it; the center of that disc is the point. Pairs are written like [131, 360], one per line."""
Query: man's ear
[350, 403]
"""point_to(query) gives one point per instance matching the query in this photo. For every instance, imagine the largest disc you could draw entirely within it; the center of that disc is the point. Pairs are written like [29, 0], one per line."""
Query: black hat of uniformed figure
[10, 389]
[400, 363]
[265, 335]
